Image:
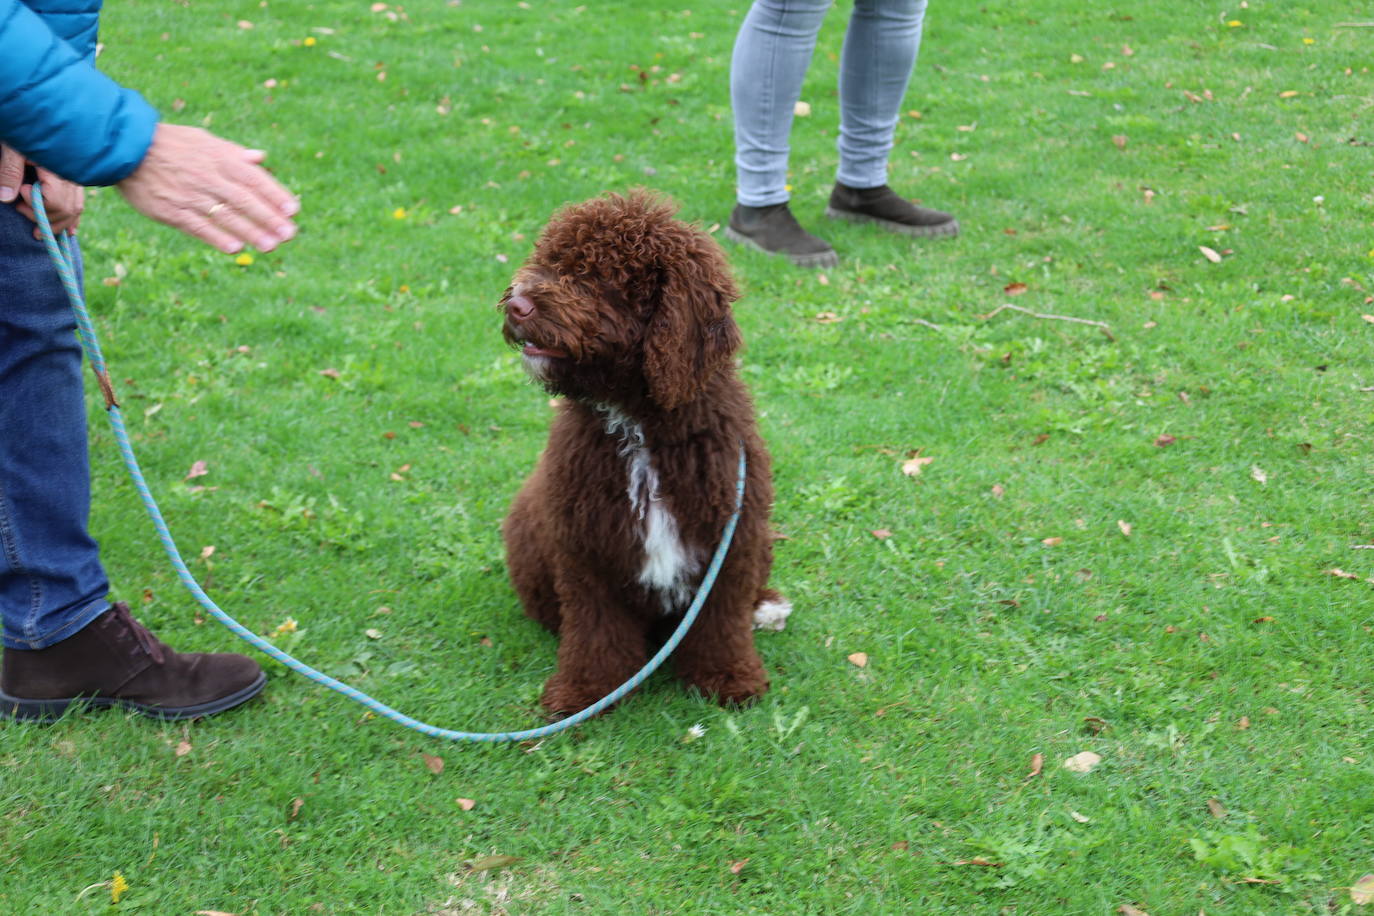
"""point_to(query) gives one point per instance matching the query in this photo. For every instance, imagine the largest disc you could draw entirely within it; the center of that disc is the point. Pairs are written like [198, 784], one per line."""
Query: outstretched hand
[212, 189]
[63, 201]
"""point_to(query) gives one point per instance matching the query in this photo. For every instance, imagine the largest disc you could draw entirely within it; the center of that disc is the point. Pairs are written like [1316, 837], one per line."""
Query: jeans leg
[880, 48]
[51, 580]
[771, 56]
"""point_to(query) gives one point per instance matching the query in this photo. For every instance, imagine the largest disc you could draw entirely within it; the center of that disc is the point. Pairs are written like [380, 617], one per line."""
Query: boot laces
[145, 639]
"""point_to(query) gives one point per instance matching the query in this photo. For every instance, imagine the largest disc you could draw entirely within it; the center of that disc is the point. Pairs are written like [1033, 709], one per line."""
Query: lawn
[1140, 541]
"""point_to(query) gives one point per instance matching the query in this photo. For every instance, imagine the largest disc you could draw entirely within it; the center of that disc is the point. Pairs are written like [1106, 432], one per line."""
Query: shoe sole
[937, 230]
[22, 710]
[819, 259]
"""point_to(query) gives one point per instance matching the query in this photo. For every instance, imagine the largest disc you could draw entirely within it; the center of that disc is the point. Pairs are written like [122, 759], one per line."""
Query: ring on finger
[215, 209]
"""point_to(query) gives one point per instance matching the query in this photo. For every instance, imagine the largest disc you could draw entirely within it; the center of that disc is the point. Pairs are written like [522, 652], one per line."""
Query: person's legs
[771, 56]
[769, 63]
[879, 53]
[880, 47]
[63, 641]
[51, 581]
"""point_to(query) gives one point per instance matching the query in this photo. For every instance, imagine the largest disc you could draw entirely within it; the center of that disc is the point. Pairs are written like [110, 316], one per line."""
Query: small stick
[1016, 308]
[926, 324]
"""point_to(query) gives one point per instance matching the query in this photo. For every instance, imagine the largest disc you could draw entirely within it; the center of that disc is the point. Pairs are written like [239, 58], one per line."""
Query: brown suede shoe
[115, 661]
[884, 207]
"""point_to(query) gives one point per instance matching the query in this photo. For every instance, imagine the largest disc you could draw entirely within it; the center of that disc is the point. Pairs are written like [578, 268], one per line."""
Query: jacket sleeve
[61, 112]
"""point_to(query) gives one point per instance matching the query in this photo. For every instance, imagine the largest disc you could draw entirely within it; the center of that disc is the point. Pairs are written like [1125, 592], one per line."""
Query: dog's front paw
[730, 688]
[562, 697]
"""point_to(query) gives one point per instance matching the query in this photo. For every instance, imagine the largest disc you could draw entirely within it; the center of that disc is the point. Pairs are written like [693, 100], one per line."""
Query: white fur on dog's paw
[772, 615]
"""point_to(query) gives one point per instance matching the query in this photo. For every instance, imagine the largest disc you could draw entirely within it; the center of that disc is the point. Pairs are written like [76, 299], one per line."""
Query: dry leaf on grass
[1210, 254]
[913, 465]
[434, 764]
[296, 805]
[1037, 764]
[1127, 910]
[466, 804]
[183, 748]
[859, 659]
[1362, 892]
[1257, 473]
[491, 863]
[1216, 808]
[1124, 526]
[198, 469]
[1082, 762]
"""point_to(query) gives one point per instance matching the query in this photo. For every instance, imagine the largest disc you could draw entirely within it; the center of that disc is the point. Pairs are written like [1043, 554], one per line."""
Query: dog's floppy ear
[692, 333]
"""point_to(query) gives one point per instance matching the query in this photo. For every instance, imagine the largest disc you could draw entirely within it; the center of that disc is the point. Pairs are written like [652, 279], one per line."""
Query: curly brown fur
[625, 311]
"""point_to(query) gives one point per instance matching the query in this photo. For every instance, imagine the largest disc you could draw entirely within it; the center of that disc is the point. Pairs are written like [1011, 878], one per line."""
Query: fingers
[212, 189]
[11, 173]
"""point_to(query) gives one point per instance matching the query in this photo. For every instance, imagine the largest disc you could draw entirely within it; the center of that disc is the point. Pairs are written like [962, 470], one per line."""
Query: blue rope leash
[60, 252]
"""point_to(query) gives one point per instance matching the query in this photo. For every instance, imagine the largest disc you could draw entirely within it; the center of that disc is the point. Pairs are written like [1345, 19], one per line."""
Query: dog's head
[620, 302]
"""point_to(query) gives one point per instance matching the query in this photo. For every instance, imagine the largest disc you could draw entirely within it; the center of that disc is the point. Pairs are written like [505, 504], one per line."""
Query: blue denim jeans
[771, 56]
[51, 580]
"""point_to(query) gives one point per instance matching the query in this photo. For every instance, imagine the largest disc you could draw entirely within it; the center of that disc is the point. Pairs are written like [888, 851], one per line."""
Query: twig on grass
[1016, 308]
[926, 324]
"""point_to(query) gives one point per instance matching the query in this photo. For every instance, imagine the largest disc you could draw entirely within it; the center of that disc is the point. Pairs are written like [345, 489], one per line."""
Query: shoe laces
[145, 639]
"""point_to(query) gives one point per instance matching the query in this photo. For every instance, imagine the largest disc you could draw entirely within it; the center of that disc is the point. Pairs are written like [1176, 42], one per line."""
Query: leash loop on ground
[60, 252]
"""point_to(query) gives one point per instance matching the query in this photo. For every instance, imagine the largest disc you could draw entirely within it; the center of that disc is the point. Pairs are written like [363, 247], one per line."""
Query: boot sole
[938, 230]
[819, 259]
[22, 710]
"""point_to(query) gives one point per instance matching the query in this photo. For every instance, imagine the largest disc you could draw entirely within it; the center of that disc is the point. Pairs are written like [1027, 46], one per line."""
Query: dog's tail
[772, 610]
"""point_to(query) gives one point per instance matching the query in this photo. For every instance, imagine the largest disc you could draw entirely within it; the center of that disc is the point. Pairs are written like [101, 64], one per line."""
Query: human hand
[212, 189]
[63, 201]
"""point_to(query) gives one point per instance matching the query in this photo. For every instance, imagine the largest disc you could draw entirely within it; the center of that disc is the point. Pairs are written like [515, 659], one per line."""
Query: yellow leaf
[117, 887]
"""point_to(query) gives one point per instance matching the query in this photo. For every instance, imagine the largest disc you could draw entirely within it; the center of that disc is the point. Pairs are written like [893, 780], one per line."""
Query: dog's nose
[519, 307]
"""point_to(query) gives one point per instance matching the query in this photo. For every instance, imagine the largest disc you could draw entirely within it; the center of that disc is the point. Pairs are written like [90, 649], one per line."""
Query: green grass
[1209, 654]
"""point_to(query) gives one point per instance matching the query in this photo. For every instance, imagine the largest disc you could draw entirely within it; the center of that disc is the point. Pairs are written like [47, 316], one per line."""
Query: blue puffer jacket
[55, 107]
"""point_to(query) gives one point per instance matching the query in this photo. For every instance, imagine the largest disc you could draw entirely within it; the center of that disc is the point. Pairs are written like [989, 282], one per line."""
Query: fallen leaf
[198, 469]
[1369, 318]
[183, 748]
[1081, 818]
[1217, 809]
[998, 490]
[1052, 542]
[330, 373]
[881, 533]
[1341, 574]
[859, 659]
[802, 109]
[979, 861]
[1124, 526]
[1257, 473]
[1210, 254]
[1082, 762]
[466, 804]
[1015, 289]
[828, 318]
[737, 867]
[296, 805]
[1037, 764]
[434, 764]
[1164, 440]
[214, 913]
[372, 633]
[1127, 910]
[1243, 723]
[1362, 892]
[912, 466]
[490, 863]
[1119, 141]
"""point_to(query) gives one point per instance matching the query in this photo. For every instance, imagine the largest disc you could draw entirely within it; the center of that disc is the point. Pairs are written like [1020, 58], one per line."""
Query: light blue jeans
[51, 580]
[770, 60]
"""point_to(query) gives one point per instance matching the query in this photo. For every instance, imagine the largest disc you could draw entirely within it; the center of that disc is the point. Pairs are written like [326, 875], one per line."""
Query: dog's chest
[669, 565]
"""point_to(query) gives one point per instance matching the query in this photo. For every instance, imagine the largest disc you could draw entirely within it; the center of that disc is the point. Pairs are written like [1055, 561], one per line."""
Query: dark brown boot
[115, 661]
[775, 230]
[884, 207]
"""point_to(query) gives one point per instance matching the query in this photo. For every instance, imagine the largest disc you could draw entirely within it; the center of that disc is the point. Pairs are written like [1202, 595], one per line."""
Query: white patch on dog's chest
[669, 566]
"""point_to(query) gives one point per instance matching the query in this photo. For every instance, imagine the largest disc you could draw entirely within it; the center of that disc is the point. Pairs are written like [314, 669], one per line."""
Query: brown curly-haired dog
[625, 311]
